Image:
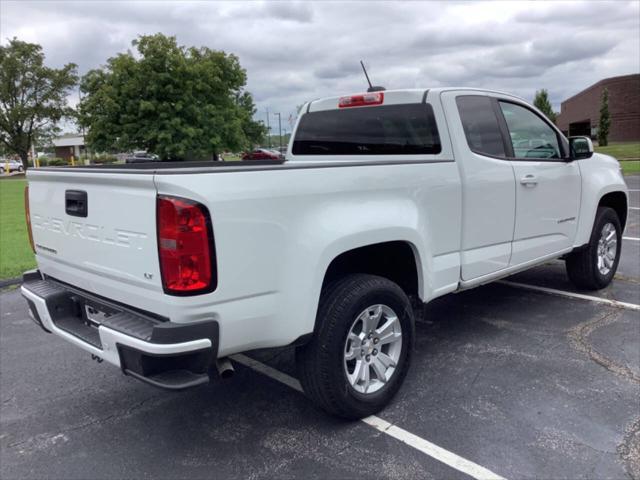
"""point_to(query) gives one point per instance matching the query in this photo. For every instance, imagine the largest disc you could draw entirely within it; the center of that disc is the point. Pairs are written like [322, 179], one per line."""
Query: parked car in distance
[13, 165]
[385, 201]
[262, 154]
[141, 157]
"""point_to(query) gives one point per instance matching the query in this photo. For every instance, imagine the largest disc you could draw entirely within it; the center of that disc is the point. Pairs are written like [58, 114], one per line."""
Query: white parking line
[562, 293]
[631, 238]
[434, 451]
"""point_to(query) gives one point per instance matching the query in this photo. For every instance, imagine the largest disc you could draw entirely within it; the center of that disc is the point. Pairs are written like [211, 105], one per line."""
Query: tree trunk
[24, 156]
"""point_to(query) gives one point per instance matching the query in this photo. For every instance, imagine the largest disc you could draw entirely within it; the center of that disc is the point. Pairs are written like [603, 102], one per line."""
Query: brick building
[69, 145]
[580, 114]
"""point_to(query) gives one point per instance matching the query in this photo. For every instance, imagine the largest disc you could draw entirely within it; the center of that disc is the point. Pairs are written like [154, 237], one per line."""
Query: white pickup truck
[166, 269]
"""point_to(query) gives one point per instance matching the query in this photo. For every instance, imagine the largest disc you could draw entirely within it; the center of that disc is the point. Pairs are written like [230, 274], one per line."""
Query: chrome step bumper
[162, 353]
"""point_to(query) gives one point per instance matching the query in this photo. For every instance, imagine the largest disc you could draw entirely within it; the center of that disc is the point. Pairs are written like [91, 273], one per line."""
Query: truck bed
[152, 167]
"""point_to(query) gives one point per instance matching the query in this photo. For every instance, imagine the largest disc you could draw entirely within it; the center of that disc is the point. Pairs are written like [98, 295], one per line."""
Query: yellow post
[73, 163]
[6, 167]
[36, 162]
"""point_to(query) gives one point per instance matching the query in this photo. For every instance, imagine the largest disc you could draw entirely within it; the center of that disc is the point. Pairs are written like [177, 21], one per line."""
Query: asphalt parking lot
[523, 383]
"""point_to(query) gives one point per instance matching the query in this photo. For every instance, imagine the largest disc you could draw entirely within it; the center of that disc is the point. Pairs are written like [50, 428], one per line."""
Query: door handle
[529, 180]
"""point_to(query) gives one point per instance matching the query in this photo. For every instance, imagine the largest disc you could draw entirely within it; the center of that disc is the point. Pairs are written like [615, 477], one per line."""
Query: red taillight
[374, 98]
[27, 214]
[185, 246]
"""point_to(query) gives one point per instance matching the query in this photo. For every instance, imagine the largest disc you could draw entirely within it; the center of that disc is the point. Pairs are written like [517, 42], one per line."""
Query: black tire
[321, 361]
[582, 265]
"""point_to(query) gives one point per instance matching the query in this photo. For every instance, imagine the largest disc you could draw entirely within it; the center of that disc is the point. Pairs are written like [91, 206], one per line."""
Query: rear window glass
[385, 130]
[480, 125]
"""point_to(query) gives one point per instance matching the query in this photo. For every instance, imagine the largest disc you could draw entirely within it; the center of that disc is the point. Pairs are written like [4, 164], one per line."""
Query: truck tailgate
[111, 248]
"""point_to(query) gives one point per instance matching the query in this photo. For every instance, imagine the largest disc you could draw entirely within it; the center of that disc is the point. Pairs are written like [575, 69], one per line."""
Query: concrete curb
[8, 282]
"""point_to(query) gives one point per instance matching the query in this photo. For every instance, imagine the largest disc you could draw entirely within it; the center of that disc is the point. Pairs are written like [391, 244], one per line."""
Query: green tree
[177, 102]
[542, 103]
[33, 97]
[605, 120]
[254, 131]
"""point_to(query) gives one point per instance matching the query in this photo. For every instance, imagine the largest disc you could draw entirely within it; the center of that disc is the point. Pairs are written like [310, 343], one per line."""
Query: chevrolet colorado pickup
[384, 200]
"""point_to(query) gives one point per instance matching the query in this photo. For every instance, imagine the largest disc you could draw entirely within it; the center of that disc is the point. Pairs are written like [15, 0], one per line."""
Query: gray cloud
[296, 11]
[578, 13]
[338, 69]
[442, 39]
[295, 52]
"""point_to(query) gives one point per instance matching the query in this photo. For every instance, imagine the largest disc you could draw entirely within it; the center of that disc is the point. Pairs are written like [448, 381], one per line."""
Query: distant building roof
[603, 83]
[69, 140]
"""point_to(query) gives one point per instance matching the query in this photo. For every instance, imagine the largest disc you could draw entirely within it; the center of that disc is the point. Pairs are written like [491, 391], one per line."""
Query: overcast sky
[299, 51]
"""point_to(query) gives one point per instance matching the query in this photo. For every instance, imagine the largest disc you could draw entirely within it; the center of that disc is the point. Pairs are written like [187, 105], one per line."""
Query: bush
[53, 162]
[104, 158]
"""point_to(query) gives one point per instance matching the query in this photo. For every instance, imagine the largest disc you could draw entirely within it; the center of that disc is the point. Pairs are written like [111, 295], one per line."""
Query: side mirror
[580, 148]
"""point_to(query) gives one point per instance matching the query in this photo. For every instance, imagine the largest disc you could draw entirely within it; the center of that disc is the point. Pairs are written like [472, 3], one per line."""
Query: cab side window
[480, 125]
[530, 136]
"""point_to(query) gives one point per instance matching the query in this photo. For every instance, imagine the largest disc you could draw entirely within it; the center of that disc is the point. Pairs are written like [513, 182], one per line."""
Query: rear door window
[408, 129]
[480, 125]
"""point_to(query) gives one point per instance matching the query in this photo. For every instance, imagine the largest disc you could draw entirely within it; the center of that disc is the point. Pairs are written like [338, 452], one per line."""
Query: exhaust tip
[224, 367]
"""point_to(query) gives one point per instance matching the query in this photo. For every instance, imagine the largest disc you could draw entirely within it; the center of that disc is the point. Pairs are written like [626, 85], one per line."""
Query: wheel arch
[396, 260]
[403, 265]
[617, 201]
[602, 185]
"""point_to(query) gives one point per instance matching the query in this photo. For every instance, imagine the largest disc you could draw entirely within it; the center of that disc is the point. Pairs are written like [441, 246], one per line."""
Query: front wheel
[594, 266]
[361, 349]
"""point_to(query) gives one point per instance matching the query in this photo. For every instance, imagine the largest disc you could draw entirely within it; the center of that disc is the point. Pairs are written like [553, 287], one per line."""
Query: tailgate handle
[75, 203]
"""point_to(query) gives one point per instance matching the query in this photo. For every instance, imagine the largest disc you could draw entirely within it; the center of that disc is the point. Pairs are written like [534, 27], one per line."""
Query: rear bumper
[162, 353]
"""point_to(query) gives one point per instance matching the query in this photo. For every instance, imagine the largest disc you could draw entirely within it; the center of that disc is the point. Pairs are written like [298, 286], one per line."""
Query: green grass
[630, 166]
[621, 151]
[15, 252]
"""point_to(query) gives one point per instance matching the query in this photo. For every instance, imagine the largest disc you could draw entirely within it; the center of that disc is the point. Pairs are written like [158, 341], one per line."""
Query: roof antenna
[371, 87]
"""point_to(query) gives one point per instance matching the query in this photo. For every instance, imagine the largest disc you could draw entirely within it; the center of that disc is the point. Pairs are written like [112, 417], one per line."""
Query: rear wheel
[594, 266]
[360, 352]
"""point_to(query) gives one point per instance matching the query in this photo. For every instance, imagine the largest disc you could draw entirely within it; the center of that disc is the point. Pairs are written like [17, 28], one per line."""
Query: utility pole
[268, 129]
[84, 141]
[279, 128]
